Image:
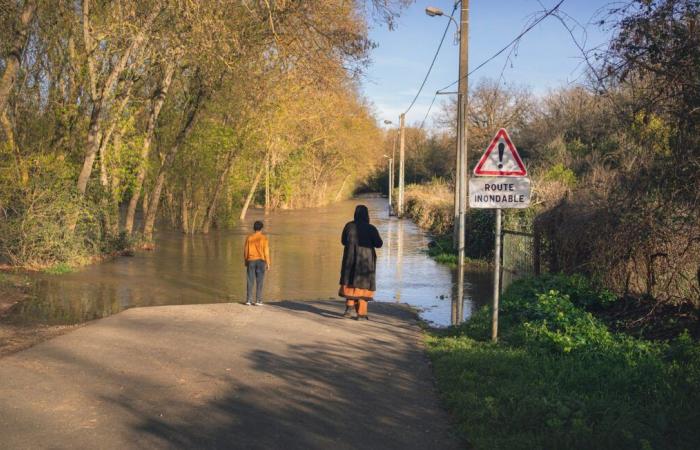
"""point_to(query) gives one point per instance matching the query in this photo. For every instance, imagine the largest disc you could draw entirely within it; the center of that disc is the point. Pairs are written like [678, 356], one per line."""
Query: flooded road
[305, 251]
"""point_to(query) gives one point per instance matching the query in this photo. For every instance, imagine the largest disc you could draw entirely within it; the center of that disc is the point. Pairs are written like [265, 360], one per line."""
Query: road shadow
[322, 396]
[327, 309]
[387, 314]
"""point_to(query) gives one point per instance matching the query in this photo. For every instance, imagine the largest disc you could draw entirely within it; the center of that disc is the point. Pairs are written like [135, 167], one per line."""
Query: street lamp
[433, 11]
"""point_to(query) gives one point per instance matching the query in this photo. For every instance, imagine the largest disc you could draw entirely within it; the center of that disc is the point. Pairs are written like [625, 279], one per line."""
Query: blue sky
[547, 57]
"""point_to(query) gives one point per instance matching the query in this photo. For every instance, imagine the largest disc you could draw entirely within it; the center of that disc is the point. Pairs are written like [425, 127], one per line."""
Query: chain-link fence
[520, 257]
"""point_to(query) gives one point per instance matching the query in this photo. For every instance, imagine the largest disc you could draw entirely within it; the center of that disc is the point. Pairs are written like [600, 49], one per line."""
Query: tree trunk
[100, 99]
[193, 222]
[144, 204]
[107, 136]
[22, 172]
[252, 191]
[158, 100]
[211, 210]
[115, 180]
[172, 210]
[185, 213]
[14, 54]
[150, 219]
[342, 186]
[91, 149]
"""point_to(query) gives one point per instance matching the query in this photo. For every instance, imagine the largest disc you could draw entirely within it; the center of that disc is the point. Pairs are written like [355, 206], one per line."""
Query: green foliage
[652, 132]
[480, 233]
[561, 174]
[576, 147]
[560, 379]
[578, 288]
[36, 231]
[442, 251]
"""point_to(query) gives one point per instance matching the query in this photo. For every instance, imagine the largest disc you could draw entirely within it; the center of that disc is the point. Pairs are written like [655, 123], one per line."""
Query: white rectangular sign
[499, 192]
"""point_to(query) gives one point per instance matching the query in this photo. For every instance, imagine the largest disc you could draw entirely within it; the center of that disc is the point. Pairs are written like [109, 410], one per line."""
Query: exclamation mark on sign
[501, 148]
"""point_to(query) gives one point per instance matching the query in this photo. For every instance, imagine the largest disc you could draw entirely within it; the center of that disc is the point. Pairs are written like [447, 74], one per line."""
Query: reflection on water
[306, 254]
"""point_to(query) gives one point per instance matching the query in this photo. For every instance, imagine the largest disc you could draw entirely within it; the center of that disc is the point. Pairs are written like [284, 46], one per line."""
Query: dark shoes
[348, 314]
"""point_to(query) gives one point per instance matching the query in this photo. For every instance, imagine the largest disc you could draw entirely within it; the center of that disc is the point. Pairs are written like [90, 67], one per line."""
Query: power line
[437, 51]
[427, 113]
[516, 39]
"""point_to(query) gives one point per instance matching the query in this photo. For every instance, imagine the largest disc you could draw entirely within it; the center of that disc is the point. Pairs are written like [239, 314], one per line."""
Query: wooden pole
[402, 152]
[391, 181]
[462, 103]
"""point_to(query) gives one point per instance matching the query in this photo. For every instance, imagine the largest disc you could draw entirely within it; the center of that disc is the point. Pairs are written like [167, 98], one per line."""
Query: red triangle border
[504, 134]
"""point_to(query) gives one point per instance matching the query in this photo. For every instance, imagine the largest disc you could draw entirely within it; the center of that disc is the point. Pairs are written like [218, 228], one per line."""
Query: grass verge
[559, 378]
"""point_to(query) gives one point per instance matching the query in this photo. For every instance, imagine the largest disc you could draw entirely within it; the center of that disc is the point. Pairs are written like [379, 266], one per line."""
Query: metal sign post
[507, 186]
[496, 277]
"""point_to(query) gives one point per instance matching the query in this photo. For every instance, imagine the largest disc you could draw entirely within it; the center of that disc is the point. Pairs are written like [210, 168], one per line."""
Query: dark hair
[258, 225]
[361, 214]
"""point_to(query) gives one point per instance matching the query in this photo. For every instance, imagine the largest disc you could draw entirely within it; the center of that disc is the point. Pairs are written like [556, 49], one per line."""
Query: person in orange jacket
[256, 254]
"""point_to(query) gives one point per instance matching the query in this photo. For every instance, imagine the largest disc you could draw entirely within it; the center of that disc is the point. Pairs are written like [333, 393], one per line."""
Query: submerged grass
[59, 269]
[560, 379]
[442, 251]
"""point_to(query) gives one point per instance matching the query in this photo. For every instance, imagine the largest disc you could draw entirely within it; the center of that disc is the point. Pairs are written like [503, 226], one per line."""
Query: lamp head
[433, 11]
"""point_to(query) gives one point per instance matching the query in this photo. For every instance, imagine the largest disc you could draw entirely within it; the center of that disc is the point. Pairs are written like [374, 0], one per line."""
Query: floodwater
[305, 250]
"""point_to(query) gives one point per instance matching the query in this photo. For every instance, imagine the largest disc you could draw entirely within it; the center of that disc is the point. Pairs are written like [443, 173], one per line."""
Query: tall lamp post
[402, 154]
[390, 182]
[461, 157]
[391, 168]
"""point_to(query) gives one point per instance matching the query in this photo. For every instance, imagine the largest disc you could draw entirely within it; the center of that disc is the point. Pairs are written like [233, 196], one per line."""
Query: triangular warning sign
[501, 158]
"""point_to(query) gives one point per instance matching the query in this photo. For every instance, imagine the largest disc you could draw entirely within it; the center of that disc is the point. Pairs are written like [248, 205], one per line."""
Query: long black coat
[359, 264]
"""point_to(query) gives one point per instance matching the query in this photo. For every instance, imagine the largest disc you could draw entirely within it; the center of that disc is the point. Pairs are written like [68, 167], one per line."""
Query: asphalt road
[292, 375]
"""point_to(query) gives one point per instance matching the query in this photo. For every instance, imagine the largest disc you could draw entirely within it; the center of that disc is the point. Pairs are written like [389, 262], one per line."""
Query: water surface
[305, 250]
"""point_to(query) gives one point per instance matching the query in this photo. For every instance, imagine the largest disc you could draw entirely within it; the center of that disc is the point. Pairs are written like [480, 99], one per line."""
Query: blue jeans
[256, 275]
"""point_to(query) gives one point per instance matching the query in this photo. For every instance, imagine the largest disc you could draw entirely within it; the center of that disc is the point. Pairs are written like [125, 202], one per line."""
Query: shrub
[36, 231]
[431, 206]
[560, 379]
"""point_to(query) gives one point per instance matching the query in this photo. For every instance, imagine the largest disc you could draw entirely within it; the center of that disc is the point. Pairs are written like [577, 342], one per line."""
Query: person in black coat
[358, 279]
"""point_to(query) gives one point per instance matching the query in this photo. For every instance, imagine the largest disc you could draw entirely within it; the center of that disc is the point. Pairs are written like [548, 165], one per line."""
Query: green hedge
[560, 379]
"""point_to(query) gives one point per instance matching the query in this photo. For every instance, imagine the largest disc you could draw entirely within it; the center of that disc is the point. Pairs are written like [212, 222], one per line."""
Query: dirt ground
[292, 375]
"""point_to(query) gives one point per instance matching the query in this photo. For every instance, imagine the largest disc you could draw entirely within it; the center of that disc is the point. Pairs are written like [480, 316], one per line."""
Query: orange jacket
[256, 247]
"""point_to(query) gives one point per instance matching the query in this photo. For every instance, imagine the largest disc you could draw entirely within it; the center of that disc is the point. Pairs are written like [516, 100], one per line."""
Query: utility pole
[392, 170]
[402, 142]
[391, 180]
[458, 184]
[462, 102]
